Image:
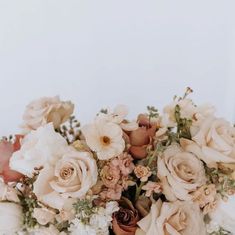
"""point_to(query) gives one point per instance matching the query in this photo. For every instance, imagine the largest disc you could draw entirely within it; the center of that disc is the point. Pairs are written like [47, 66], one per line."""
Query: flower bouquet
[160, 174]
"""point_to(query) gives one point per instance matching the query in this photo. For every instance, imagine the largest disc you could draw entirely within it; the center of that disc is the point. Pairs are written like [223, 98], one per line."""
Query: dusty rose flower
[177, 218]
[125, 163]
[46, 110]
[6, 151]
[112, 193]
[180, 173]
[204, 195]
[152, 187]
[140, 138]
[142, 172]
[110, 175]
[125, 220]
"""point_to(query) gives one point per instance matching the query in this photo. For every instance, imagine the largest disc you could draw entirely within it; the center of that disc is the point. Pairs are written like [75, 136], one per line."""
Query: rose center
[66, 173]
[105, 140]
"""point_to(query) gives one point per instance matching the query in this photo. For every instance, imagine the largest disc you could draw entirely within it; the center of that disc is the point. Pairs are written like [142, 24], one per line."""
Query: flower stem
[139, 188]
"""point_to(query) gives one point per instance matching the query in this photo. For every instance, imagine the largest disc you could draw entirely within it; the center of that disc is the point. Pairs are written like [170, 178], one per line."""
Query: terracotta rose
[140, 138]
[125, 220]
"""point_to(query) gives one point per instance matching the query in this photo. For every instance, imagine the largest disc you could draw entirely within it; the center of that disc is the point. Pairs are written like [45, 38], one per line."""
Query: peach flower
[125, 163]
[142, 172]
[110, 175]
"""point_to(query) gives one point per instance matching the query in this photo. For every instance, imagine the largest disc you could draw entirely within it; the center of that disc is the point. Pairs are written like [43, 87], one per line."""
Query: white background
[101, 53]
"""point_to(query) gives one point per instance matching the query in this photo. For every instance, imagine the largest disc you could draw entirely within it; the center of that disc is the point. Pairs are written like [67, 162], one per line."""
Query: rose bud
[6, 151]
[141, 138]
[125, 220]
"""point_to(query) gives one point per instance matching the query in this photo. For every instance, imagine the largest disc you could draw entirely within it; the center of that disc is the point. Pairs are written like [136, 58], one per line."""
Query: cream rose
[45, 110]
[177, 218]
[72, 176]
[11, 218]
[38, 148]
[180, 173]
[213, 141]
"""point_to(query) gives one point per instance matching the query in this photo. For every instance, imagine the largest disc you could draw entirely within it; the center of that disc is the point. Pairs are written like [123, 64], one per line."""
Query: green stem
[150, 160]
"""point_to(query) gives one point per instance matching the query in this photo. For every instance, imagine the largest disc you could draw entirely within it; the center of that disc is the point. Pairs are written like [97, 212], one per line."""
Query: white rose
[213, 141]
[177, 218]
[45, 110]
[43, 215]
[38, 148]
[224, 214]
[11, 218]
[180, 172]
[71, 177]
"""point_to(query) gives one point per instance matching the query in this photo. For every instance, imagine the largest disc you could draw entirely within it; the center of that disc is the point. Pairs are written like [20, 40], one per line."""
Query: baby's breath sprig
[84, 209]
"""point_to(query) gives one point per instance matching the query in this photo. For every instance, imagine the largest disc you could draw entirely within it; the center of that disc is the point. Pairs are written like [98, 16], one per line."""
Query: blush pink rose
[6, 150]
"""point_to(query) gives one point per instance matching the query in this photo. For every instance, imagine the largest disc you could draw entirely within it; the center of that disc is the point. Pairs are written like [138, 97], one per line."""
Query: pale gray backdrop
[101, 53]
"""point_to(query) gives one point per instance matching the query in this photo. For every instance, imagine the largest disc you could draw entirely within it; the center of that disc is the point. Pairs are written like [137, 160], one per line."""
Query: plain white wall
[101, 53]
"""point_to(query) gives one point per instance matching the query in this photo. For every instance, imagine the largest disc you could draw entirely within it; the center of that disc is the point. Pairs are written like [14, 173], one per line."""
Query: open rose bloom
[169, 173]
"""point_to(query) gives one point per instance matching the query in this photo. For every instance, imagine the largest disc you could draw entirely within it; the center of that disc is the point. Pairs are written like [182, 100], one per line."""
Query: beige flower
[43, 215]
[177, 218]
[105, 138]
[45, 110]
[187, 110]
[180, 173]
[213, 141]
[142, 172]
[71, 177]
